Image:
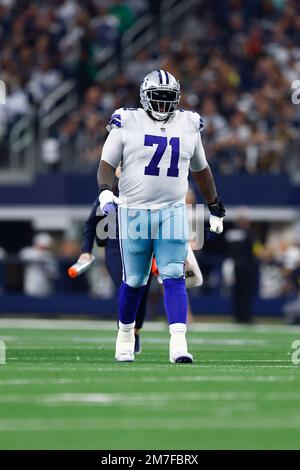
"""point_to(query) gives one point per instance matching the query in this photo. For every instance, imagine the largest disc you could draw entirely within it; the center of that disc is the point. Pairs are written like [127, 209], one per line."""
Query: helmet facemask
[161, 102]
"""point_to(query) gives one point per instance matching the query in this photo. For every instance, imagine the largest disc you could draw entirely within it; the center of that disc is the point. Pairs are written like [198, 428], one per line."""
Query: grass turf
[61, 389]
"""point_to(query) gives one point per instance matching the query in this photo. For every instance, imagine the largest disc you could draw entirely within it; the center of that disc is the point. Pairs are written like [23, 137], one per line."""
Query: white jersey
[155, 156]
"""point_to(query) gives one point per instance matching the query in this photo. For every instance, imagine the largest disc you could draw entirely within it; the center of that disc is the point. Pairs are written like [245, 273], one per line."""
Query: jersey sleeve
[113, 148]
[112, 151]
[196, 121]
[118, 119]
[198, 160]
[115, 121]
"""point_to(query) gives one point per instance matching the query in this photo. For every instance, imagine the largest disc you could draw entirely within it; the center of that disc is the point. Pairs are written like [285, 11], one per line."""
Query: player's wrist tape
[104, 187]
[217, 208]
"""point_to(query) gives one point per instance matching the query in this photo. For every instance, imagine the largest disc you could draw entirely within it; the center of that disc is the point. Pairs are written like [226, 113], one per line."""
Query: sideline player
[113, 263]
[156, 145]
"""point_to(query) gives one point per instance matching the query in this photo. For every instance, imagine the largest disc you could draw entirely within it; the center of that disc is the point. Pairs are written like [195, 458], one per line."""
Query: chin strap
[158, 120]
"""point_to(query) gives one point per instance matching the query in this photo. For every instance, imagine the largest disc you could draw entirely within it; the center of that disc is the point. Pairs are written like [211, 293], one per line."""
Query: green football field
[61, 389]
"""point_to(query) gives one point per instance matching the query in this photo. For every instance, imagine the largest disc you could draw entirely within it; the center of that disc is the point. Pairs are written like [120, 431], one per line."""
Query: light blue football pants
[144, 233]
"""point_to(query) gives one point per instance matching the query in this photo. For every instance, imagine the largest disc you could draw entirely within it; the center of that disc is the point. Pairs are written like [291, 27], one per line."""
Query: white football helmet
[160, 94]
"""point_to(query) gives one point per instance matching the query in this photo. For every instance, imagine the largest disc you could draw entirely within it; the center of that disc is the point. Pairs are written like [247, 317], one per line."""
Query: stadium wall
[80, 304]
[74, 189]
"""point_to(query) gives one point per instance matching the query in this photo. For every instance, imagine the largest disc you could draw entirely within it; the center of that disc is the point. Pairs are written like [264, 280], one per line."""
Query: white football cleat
[125, 343]
[181, 357]
[124, 356]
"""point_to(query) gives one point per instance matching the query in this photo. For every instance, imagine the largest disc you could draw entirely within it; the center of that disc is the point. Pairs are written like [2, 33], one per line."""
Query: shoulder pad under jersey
[119, 118]
[195, 118]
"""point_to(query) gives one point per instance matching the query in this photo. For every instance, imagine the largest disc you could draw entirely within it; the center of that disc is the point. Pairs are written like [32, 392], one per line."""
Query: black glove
[217, 208]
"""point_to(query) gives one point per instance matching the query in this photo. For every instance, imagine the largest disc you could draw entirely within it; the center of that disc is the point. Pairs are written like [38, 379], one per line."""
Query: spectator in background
[239, 241]
[140, 65]
[106, 27]
[291, 257]
[124, 13]
[40, 267]
[89, 141]
[291, 309]
[232, 144]
[67, 142]
[17, 102]
[271, 278]
[45, 78]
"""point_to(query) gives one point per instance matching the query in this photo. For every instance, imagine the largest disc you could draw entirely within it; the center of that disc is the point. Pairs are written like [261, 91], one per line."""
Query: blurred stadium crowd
[235, 61]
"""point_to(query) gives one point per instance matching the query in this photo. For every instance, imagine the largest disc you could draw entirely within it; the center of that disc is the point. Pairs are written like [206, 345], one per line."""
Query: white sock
[125, 335]
[126, 327]
[178, 340]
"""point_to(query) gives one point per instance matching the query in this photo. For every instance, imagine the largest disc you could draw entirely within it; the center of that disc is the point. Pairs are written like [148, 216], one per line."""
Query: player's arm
[111, 156]
[204, 179]
[106, 174]
[206, 184]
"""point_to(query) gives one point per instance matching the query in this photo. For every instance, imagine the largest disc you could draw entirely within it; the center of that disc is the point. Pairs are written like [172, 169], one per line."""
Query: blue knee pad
[137, 279]
[172, 271]
[171, 246]
[170, 258]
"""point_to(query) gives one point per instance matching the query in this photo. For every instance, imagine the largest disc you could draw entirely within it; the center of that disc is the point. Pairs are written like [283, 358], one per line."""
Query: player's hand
[217, 213]
[216, 224]
[85, 258]
[108, 201]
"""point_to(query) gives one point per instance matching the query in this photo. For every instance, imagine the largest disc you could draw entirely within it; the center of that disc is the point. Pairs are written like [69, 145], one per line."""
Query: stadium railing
[56, 106]
[172, 10]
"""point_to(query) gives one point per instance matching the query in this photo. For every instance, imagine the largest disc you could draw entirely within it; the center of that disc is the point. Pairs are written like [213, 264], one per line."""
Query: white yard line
[134, 399]
[224, 379]
[175, 379]
[104, 325]
[205, 341]
[170, 424]
[136, 367]
[168, 397]
[98, 341]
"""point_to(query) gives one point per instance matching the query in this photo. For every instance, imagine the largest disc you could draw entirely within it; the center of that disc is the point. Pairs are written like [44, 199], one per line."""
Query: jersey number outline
[162, 143]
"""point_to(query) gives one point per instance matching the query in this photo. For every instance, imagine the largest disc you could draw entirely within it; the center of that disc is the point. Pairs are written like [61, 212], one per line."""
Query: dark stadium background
[68, 64]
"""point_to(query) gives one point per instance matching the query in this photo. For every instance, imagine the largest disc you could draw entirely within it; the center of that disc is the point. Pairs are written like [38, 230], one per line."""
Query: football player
[157, 145]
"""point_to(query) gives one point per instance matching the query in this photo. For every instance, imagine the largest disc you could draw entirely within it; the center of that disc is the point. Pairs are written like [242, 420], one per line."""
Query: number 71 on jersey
[162, 143]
